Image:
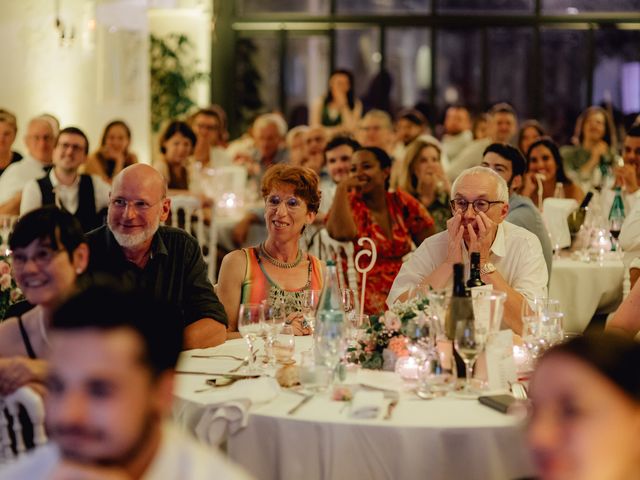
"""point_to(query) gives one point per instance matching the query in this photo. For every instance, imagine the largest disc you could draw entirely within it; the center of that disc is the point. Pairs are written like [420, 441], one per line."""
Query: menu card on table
[501, 368]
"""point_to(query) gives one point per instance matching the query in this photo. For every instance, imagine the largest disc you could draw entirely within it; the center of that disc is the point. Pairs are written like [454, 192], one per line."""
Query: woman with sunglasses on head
[277, 270]
[49, 252]
[585, 416]
[363, 207]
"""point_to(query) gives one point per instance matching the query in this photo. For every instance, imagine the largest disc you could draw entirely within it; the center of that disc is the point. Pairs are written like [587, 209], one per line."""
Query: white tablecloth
[436, 439]
[585, 289]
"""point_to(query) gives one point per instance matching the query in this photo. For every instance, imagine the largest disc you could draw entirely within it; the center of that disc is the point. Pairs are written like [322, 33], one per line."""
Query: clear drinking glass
[250, 326]
[309, 307]
[469, 342]
[313, 377]
[436, 376]
[274, 319]
[331, 343]
[439, 303]
[284, 345]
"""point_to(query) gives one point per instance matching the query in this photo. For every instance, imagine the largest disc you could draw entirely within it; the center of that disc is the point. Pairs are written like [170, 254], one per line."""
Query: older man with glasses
[40, 140]
[165, 261]
[511, 257]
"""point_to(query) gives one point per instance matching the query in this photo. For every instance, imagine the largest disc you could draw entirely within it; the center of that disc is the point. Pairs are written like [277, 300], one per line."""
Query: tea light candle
[407, 368]
[520, 356]
[229, 204]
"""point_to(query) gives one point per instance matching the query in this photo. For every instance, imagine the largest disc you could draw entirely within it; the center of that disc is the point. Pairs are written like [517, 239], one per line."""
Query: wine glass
[250, 326]
[310, 301]
[615, 225]
[6, 225]
[348, 302]
[469, 342]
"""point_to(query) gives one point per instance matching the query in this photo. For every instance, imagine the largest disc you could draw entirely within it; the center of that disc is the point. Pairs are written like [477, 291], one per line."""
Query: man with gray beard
[165, 261]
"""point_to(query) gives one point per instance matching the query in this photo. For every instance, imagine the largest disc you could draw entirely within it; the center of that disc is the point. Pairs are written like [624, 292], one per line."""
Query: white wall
[101, 75]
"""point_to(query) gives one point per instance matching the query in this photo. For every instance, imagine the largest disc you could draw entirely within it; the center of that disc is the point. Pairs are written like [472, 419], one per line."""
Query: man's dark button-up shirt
[175, 272]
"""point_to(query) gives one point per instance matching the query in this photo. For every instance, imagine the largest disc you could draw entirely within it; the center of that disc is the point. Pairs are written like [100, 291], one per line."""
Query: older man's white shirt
[16, 176]
[515, 252]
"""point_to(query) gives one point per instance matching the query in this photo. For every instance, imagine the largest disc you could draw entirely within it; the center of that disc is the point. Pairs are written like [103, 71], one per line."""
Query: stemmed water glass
[6, 225]
[469, 342]
[250, 326]
[310, 301]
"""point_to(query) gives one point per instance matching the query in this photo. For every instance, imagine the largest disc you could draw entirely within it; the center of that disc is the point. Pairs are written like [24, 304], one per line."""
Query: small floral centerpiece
[9, 291]
[388, 335]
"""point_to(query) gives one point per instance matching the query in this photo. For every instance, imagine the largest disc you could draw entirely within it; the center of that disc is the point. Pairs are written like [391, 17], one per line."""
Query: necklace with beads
[278, 263]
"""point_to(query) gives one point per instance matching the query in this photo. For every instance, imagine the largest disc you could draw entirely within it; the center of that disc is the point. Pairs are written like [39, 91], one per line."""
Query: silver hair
[380, 114]
[271, 119]
[502, 190]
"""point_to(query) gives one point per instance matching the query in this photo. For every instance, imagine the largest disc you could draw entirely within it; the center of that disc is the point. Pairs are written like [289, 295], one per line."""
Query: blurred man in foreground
[110, 392]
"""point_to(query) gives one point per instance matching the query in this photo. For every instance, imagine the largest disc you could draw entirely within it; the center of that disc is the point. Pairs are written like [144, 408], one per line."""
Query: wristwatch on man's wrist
[487, 268]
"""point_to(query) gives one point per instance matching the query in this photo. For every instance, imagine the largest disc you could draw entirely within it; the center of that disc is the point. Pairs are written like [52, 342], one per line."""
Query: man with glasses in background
[165, 261]
[207, 125]
[511, 258]
[40, 140]
[86, 197]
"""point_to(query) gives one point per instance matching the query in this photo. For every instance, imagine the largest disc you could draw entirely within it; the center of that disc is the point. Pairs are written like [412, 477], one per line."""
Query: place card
[501, 367]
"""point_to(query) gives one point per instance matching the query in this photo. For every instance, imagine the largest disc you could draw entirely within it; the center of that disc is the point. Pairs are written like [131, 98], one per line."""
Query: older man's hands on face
[455, 231]
[482, 241]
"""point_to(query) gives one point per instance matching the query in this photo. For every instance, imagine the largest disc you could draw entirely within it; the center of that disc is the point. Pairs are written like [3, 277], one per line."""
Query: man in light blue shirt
[511, 165]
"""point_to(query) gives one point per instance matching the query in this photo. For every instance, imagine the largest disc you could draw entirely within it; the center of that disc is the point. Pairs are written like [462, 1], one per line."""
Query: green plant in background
[174, 72]
[247, 86]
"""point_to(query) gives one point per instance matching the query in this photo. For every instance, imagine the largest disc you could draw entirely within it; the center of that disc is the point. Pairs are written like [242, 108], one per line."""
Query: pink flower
[398, 345]
[391, 321]
[15, 295]
[5, 281]
[5, 268]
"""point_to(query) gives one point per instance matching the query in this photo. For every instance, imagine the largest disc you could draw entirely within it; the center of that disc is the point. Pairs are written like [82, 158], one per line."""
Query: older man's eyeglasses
[41, 258]
[138, 205]
[479, 205]
[292, 203]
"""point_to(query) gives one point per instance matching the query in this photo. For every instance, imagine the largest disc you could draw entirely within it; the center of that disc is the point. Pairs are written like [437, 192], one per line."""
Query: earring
[78, 271]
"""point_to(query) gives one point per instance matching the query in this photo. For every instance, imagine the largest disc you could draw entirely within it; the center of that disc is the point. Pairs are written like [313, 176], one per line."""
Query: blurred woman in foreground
[49, 252]
[585, 419]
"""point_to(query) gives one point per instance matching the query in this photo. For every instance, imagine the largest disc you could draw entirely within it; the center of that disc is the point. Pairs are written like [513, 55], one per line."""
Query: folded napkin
[367, 404]
[225, 411]
[555, 212]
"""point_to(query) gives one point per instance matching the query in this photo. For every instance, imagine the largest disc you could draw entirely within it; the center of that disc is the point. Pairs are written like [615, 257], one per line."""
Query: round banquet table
[445, 438]
[585, 289]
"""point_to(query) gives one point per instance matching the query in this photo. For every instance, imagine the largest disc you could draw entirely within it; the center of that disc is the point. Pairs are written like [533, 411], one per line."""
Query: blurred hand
[18, 371]
[626, 177]
[296, 319]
